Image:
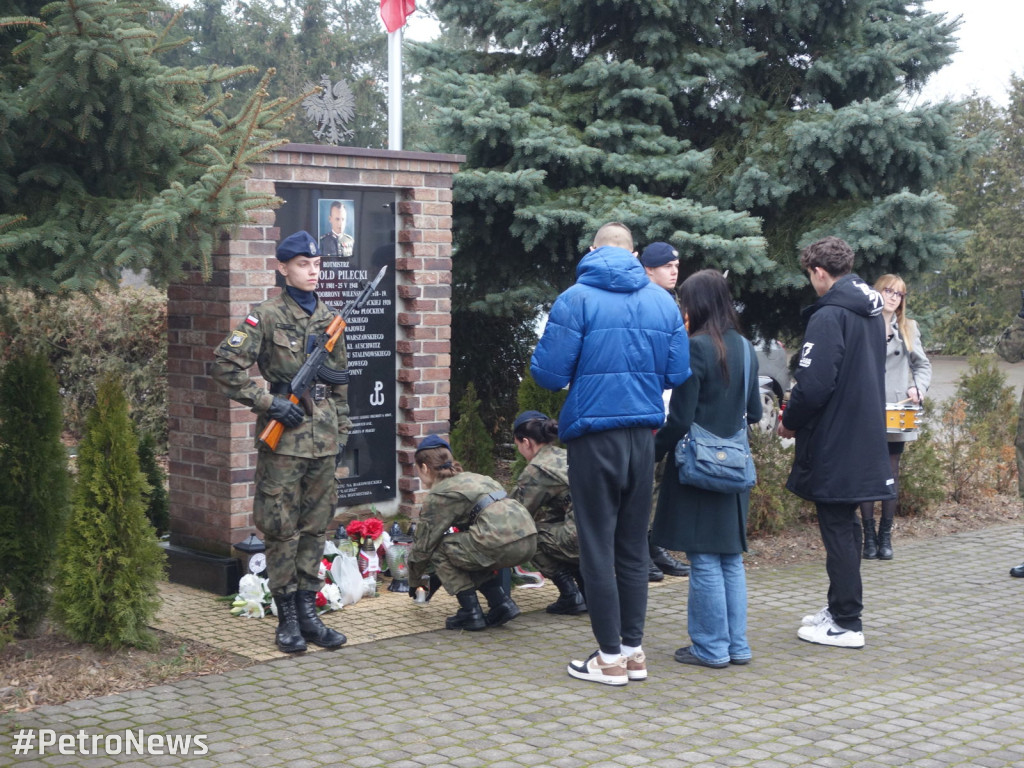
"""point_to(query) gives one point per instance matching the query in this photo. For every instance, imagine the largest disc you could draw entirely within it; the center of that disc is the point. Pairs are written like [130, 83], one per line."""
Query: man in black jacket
[836, 413]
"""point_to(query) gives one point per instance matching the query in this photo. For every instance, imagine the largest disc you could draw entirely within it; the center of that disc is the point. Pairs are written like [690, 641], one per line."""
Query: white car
[774, 379]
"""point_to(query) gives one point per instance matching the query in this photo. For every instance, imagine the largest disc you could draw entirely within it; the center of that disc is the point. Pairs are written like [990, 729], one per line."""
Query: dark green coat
[689, 519]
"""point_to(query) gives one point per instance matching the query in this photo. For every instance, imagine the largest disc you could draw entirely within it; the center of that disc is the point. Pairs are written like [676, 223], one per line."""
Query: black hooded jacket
[837, 407]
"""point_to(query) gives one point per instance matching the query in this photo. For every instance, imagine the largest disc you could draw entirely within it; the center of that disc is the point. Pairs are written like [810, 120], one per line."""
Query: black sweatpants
[611, 476]
[841, 535]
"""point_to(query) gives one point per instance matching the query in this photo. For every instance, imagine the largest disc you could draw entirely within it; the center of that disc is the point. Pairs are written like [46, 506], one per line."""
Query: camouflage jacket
[1010, 346]
[543, 486]
[449, 503]
[275, 337]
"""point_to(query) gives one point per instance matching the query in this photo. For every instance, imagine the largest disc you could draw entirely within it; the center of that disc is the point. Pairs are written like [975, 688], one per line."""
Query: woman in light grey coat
[908, 373]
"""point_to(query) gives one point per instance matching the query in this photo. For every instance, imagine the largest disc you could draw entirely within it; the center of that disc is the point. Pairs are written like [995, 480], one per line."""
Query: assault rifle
[310, 369]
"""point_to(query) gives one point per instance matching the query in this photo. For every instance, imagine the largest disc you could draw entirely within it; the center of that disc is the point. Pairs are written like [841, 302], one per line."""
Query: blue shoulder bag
[722, 464]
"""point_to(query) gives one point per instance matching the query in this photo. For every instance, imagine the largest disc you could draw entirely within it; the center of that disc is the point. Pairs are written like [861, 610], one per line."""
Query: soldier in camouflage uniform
[295, 486]
[467, 530]
[1011, 348]
[543, 488]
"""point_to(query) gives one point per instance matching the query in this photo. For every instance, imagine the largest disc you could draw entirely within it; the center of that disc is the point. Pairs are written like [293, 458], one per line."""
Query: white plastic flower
[251, 587]
[333, 595]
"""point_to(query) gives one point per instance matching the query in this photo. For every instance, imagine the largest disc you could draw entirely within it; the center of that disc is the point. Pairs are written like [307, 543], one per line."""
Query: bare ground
[49, 669]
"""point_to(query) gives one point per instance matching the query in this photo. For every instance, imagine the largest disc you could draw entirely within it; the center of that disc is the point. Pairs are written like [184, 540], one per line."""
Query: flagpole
[395, 89]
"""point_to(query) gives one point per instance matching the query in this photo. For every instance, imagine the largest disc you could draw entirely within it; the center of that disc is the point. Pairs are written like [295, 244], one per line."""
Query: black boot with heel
[885, 539]
[870, 540]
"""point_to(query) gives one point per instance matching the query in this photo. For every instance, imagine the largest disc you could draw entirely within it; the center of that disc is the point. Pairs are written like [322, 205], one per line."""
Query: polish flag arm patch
[252, 320]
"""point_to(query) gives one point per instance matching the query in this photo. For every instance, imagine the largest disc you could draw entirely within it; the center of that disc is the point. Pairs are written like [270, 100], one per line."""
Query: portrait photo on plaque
[337, 229]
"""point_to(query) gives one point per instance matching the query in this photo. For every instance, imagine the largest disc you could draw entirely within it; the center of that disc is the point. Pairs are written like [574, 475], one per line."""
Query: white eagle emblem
[330, 109]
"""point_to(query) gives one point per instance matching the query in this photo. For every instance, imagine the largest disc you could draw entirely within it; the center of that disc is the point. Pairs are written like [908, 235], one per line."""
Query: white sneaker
[636, 666]
[831, 634]
[823, 616]
[597, 671]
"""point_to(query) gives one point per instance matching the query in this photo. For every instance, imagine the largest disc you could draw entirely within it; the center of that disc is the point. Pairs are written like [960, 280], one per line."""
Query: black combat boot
[666, 563]
[314, 630]
[654, 572]
[870, 542]
[502, 607]
[469, 617]
[884, 539]
[288, 636]
[578, 578]
[570, 602]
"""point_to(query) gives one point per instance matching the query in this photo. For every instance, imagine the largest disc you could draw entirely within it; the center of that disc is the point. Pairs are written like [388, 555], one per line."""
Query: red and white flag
[396, 12]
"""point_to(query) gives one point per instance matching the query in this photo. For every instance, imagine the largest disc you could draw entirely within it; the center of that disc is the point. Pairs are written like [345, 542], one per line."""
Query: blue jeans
[717, 607]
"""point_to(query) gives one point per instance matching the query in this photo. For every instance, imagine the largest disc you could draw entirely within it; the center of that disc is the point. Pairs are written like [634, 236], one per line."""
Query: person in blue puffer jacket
[617, 340]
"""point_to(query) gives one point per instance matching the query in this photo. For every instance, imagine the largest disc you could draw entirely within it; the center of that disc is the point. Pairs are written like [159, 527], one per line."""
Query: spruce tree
[471, 442]
[111, 159]
[738, 132]
[109, 561]
[34, 485]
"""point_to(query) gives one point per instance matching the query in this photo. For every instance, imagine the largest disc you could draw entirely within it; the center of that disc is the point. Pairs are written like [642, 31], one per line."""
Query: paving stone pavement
[940, 683]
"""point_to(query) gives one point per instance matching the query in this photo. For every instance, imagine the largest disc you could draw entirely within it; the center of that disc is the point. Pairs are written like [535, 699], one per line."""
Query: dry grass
[49, 669]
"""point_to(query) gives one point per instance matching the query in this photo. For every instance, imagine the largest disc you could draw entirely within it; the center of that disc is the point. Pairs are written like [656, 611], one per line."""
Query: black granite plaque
[356, 232]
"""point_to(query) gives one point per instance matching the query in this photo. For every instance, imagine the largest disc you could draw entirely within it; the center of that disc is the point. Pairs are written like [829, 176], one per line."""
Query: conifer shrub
[772, 507]
[34, 485]
[471, 443]
[157, 504]
[109, 560]
[976, 433]
[922, 482]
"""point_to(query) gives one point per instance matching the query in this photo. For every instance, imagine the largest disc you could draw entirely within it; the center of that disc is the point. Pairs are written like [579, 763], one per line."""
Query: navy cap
[432, 441]
[526, 416]
[293, 245]
[658, 255]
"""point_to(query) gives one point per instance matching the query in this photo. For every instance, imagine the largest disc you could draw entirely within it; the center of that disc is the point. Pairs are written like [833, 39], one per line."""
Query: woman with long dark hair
[710, 527]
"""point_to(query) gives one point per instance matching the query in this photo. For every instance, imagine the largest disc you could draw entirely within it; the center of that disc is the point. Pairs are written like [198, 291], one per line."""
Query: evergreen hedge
[34, 485]
[109, 559]
[471, 442]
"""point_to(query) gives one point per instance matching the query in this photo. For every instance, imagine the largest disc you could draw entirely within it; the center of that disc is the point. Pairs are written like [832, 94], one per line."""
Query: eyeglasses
[891, 292]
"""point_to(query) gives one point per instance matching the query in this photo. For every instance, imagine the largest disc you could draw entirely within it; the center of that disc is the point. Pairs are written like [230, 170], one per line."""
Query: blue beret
[432, 441]
[658, 255]
[526, 416]
[293, 245]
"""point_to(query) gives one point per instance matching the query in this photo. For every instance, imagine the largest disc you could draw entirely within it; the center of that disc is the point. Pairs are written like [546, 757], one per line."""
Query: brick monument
[211, 439]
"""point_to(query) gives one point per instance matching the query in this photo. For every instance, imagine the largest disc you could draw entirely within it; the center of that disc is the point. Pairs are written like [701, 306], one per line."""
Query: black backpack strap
[483, 503]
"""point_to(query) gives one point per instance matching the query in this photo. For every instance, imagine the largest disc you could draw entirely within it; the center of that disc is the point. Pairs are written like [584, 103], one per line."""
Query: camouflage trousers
[557, 546]
[462, 564]
[295, 501]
